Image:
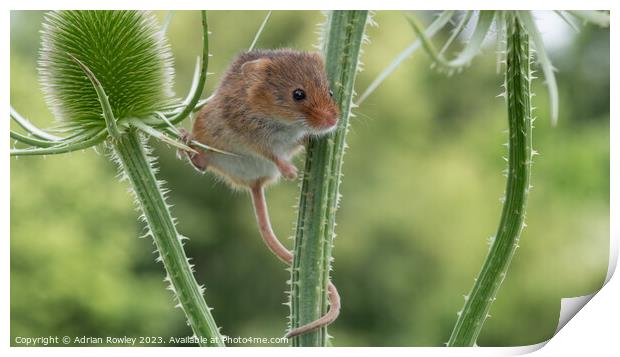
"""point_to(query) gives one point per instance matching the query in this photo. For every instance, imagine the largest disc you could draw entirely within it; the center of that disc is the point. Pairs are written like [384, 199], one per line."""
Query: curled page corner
[570, 306]
[523, 350]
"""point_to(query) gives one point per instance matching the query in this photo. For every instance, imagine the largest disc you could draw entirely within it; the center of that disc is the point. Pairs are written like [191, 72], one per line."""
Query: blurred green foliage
[421, 196]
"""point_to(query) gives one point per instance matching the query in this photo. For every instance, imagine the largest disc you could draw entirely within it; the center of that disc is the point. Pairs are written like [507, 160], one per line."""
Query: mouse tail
[264, 224]
[277, 248]
[328, 318]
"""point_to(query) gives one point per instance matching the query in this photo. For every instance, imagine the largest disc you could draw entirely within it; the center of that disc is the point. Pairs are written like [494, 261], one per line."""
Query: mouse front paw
[288, 170]
[186, 138]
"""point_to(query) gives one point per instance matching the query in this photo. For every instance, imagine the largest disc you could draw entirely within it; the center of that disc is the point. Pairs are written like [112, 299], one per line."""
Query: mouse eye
[299, 94]
[331, 93]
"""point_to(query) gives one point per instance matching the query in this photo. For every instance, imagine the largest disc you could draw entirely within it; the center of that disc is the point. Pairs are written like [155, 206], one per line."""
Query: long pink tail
[264, 225]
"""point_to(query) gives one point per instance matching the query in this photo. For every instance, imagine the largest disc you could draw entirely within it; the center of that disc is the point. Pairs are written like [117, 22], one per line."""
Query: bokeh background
[422, 182]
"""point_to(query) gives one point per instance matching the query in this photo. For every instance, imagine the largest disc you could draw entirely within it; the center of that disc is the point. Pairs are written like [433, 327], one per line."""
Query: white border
[314, 5]
[594, 329]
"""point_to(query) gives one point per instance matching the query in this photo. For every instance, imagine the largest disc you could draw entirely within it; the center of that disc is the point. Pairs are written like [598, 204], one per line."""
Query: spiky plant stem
[136, 166]
[319, 195]
[518, 78]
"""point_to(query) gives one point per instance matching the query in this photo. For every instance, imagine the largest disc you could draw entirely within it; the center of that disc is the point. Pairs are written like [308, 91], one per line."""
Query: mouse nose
[327, 119]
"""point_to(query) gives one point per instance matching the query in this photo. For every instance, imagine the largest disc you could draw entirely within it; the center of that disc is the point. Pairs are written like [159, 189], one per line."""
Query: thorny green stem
[135, 164]
[319, 195]
[518, 81]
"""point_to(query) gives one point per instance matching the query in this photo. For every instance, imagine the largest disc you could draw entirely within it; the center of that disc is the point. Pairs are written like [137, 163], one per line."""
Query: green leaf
[457, 31]
[432, 29]
[473, 47]
[600, 18]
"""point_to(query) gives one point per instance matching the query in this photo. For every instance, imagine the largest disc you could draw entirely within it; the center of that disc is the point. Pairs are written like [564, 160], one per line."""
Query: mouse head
[292, 87]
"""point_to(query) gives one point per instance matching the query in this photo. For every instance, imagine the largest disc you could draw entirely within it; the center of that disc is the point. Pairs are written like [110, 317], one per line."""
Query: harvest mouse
[268, 103]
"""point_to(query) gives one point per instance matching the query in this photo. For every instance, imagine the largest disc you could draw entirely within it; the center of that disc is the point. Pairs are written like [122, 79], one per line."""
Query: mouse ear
[253, 70]
[317, 56]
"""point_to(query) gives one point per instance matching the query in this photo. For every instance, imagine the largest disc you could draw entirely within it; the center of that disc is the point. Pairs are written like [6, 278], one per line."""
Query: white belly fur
[248, 167]
[245, 168]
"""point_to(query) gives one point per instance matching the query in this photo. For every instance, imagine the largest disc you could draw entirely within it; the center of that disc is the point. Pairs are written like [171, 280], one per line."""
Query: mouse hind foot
[199, 159]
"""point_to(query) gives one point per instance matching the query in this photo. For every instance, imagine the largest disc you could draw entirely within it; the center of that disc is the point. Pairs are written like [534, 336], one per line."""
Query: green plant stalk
[518, 95]
[319, 195]
[135, 164]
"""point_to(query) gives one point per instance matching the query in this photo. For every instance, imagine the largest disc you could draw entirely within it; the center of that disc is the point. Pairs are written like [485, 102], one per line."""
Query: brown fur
[256, 91]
